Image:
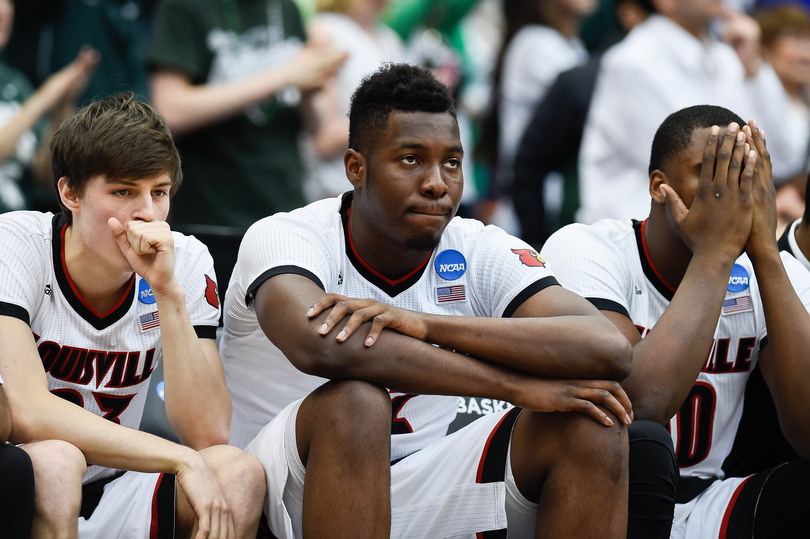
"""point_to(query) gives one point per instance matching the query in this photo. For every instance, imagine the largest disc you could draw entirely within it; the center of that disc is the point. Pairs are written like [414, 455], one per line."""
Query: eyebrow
[420, 146]
[133, 183]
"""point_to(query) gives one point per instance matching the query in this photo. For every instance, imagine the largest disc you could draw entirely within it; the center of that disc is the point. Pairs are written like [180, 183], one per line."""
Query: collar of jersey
[650, 271]
[72, 295]
[392, 288]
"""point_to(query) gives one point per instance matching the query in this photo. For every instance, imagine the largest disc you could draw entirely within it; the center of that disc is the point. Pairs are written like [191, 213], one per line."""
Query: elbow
[617, 358]
[330, 360]
[208, 436]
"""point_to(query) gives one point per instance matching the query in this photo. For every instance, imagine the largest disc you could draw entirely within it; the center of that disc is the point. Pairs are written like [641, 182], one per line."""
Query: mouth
[432, 211]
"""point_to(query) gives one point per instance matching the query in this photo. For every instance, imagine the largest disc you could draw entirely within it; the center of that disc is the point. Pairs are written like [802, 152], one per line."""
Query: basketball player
[702, 291]
[89, 301]
[485, 317]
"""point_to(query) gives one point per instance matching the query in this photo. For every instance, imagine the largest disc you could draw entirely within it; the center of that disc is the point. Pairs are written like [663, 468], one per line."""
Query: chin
[423, 244]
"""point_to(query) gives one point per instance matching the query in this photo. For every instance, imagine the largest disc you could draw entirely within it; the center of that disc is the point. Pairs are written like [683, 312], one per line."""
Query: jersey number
[111, 405]
[695, 422]
[400, 425]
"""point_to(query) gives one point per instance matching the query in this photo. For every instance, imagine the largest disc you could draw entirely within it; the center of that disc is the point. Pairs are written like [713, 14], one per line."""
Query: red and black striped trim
[163, 508]
[492, 467]
[392, 288]
[96, 319]
[651, 272]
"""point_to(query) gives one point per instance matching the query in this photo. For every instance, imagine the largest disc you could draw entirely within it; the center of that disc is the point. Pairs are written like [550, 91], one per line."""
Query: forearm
[187, 107]
[44, 416]
[668, 360]
[784, 360]
[574, 346]
[197, 402]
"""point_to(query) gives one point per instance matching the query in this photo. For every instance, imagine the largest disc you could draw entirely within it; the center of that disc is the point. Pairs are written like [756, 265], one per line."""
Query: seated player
[455, 308]
[701, 290]
[90, 300]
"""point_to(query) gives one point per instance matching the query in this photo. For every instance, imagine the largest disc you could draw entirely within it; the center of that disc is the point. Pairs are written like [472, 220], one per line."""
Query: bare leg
[58, 470]
[242, 483]
[576, 470]
[344, 440]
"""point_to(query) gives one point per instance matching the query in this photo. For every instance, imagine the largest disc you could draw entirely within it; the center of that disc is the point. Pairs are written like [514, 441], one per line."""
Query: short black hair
[675, 133]
[393, 87]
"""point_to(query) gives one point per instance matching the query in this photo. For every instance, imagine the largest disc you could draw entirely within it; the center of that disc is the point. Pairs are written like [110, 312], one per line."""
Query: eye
[453, 163]
[121, 192]
[160, 193]
[409, 160]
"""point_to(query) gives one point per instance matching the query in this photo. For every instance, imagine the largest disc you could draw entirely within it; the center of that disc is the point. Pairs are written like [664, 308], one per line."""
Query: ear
[356, 168]
[657, 178]
[69, 196]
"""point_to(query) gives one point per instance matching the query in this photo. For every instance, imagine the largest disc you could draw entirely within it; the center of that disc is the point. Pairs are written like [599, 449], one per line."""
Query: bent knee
[56, 459]
[232, 466]
[349, 404]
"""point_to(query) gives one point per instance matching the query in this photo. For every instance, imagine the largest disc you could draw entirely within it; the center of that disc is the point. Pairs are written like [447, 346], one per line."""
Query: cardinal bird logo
[211, 292]
[530, 258]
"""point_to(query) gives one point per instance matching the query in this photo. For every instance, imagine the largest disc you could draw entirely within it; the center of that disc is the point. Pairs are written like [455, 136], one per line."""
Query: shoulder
[319, 217]
[36, 226]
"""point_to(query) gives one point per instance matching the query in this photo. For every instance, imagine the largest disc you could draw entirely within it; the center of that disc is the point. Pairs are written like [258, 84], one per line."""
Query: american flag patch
[451, 293]
[737, 305]
[149, 321]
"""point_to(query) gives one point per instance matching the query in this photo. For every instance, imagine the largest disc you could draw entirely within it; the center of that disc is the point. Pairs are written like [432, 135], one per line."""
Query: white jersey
[607, 264]
[100, 361]
[474, 271]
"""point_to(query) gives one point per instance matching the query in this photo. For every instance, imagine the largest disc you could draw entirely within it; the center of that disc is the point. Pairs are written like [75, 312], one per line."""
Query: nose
[433, 185]
[144, 208]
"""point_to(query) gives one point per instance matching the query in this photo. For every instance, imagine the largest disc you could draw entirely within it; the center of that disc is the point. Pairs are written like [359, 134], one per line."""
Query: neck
[667, 251]
[391, 259]
[697, 28]
[99, 284]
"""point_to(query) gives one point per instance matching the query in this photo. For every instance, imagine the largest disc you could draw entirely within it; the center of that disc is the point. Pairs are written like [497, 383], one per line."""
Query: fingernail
[341, 335]
[310, 311]
[627, 417]
[368, 341]
[740, 136]
[762, 133]
[323, 328]
[754, 121]
[609, 421]
[733, 126]
[715, 130]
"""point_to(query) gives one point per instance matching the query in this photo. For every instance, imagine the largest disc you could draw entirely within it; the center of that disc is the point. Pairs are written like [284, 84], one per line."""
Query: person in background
[231, 77]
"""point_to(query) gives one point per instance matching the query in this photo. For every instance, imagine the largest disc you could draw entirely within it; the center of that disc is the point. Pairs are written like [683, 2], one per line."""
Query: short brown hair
[119, 138]
[789, 18]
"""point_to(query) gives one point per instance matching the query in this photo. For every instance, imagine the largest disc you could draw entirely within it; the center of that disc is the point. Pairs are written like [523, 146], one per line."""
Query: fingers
[709, 155]
[324, 303]
[724, 154]
[737, 157]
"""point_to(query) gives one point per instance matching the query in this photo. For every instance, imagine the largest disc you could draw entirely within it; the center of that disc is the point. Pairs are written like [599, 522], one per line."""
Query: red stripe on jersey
[486, 449]
[647, 254]
[153, 527]
[76, 290]
[372, 270]
[727, 516]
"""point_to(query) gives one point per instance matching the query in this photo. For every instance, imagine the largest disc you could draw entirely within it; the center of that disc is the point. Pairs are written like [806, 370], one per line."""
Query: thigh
[135, 505]
[460, 485]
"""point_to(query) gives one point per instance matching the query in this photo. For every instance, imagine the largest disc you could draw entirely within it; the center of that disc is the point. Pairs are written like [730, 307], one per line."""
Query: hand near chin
[149, 249]
[360, 311]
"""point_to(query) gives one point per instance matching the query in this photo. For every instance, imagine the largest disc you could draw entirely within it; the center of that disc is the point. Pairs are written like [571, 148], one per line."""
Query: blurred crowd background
[557, 100]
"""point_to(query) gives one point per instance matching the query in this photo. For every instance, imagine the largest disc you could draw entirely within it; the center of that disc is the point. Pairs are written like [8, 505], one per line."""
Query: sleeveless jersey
[100, 361]
[607, 264]
[475, 270]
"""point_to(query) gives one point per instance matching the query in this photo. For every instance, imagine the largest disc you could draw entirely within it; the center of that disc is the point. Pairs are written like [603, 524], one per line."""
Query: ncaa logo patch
[739, 279]
[145, 294]
[450, 264]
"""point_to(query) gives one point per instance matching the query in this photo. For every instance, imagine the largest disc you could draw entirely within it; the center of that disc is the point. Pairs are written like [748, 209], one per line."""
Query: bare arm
[37, 414]
[554, 333]
[407, 364]
[784, 360]
[188, 107]
[197, 401]
[5, 417]
[667, 361]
